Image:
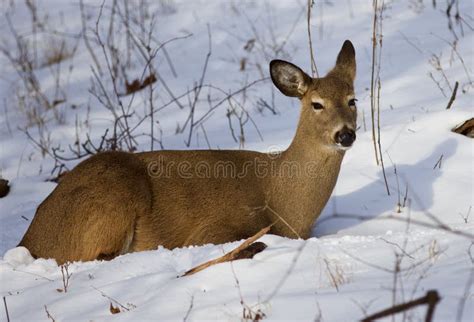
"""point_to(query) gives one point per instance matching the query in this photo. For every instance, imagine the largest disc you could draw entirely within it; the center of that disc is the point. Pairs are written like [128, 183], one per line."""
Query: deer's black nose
[345, 137]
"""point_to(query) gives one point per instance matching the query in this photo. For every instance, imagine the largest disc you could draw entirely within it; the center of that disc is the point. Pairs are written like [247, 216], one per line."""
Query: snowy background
[57, 96]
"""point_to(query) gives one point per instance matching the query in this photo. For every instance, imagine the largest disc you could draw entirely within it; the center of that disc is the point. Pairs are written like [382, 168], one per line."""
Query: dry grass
[56, 52]
[335, 274]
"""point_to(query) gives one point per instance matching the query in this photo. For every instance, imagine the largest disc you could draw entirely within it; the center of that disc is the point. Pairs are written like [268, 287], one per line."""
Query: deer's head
[329, 112]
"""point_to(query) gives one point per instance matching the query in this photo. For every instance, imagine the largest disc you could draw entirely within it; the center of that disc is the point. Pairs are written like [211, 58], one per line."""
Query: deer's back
[202, 197]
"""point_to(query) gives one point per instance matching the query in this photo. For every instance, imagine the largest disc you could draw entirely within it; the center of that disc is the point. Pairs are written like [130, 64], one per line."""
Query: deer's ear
[289, 79]
[346, 63]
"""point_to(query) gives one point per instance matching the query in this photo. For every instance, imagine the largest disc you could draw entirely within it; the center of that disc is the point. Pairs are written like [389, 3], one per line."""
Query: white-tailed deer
[117, 202]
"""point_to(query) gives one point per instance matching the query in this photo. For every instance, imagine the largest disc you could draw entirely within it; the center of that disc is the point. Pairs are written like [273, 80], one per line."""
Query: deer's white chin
[340, 147]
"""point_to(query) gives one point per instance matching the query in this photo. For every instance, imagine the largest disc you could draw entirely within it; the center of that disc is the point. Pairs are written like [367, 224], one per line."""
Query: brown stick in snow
[431, 299]
[453, 96]
[246, 250]
[6, 308]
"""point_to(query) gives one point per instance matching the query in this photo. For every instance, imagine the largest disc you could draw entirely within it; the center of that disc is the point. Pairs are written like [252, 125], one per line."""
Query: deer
[115, 203]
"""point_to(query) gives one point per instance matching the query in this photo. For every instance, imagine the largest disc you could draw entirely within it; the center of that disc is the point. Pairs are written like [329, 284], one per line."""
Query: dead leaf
[114, 309]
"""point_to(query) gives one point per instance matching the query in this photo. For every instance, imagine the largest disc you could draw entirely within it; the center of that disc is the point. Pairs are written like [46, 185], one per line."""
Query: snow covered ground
[343, 273]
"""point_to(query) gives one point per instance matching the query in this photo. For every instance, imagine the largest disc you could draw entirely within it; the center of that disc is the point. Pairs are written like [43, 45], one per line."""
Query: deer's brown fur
[117, 202]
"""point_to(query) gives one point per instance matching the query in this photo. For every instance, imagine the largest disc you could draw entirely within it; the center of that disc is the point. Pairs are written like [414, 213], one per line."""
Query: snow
[18, 256]
[345, 271]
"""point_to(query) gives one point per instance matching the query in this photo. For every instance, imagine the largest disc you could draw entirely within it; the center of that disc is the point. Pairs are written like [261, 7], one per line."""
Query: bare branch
[230, 256]
[431, 299]
[6, 308]
[453, 95]
[314, 69]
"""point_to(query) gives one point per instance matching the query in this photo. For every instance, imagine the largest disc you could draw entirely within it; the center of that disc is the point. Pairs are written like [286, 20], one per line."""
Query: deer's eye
[317, 106]
[352, 102]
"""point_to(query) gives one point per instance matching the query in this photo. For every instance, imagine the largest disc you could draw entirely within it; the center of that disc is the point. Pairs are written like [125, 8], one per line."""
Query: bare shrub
[66, 276]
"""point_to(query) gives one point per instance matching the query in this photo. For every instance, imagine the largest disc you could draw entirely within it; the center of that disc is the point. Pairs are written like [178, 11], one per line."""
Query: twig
[395, 279]
[398, 246]
[290, 32]
[111, 299]
[372, 79]
[439, 223]
[410, 42]
[66, 276]
[110, 63]
[405, 198]
[466, 128]
[283, 220]
[438, 163]
[465, 218]
[248, 313]
[237, 284]
[465, 296]
[469, 253]
[188, 312]
[335, 281]
[453, 95]
[375, 101]
[231, 255]
[389, 270]
[208, 112]
[48, 314]
[378, 131]
[33, 274]
[282, 281]
[431, 299]
[454, 49]
[86, 39]
[319, 316]
[438, 83]
[397, 218]
[6, 308]
[314, 69]
[399, 203]
[197, 92]
[364, 305]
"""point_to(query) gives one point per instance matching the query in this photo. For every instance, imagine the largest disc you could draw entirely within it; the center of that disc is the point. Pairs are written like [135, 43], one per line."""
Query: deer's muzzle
[345, 137]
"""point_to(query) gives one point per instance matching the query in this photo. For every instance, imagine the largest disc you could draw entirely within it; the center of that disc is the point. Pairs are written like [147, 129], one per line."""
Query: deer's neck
[307, 174]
